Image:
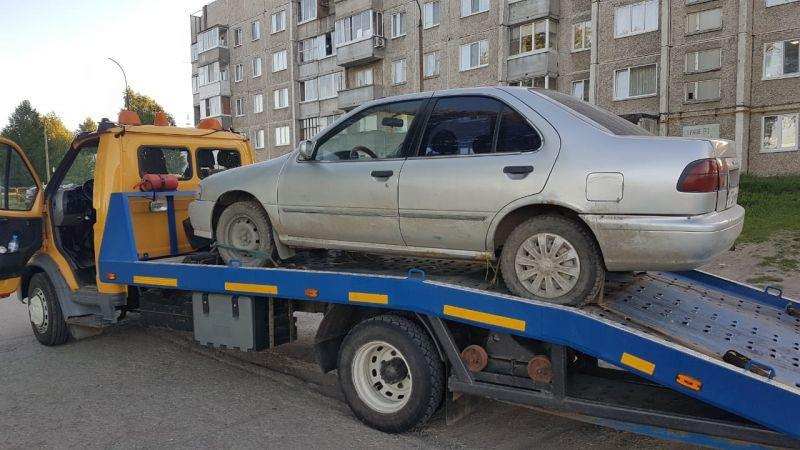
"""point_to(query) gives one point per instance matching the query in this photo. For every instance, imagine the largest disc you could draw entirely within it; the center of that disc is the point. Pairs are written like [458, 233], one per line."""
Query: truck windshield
[611, 122]
[82, 168]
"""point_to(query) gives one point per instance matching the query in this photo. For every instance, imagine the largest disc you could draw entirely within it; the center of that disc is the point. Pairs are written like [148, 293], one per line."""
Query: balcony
[314, 68]
[526, 10]
[220, 88]
[361, 52]
[344, 8]
[350, 98]
[221, 54]
[532, 65]
[308, 109]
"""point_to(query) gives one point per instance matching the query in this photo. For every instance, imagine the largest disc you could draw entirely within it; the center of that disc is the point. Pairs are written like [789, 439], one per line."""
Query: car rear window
[611, 122]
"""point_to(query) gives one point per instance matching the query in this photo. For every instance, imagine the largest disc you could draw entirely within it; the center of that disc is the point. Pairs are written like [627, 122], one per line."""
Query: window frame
[697, 61]
[472, 13]
[548, 42]
[189, 160]
[237, 102]
[227, 149]
[257, 103]
[431, 105]
[260, 66]
[238, 76]
[5, 178]
[285, 61]
[273, 19]
[585, 83]
[288, 135]
[629, 7]
[438, 7]
[255, 30]
[778, 3]
[587, 43]
[276, 95]
[696, 84]
[699, 30]
[780, 149]
[470, 44]
[394, 73]
[401, 21]
[238, 37]
[436, 64]
[783, 75]
[633, 97]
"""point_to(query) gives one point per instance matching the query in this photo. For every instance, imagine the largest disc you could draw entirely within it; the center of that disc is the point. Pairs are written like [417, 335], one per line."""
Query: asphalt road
[135, 387]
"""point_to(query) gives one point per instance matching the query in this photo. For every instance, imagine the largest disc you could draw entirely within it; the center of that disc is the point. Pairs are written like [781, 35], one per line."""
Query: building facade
[280, 71]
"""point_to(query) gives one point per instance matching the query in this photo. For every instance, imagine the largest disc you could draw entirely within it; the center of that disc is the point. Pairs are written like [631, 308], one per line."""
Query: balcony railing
[532, 65]
[219, 88]
[350, 98]
[361, 52]
[525, 10]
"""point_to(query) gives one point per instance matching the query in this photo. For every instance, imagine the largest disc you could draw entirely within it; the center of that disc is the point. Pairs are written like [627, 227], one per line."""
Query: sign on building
[710, 130]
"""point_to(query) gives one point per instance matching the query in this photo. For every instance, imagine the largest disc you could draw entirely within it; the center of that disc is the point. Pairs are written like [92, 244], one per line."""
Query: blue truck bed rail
[670, 328]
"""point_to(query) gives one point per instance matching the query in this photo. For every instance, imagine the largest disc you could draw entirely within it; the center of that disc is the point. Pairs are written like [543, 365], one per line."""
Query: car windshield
[613, 123]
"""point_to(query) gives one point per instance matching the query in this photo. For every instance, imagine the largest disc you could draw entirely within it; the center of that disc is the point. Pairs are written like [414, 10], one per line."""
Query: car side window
[375, 133]
[165, 161]
[516, 134]
[215, 160]
[461, 126]
[17, 186]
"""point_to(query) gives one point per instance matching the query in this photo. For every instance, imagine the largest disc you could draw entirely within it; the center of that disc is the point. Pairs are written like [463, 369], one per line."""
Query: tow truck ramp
[679, 337]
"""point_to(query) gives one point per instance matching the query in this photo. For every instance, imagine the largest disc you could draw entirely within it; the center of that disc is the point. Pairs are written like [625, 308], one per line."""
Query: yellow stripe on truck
[270, 289]
[642, 365]
[367, 297]
[155, 281]
[483, 317]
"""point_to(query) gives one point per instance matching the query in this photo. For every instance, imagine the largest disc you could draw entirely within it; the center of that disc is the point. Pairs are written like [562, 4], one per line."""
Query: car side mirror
[306, 150]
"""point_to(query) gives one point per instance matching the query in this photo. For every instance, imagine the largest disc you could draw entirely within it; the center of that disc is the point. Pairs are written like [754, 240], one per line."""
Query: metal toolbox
[230, 321]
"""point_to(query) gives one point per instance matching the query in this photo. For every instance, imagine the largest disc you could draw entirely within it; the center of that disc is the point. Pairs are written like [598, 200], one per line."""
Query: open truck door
[21, 211]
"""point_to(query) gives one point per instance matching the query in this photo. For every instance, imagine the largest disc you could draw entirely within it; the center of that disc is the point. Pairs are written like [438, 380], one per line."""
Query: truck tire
[44, 312]
[554, 259]
[245, 225]
[390, 373]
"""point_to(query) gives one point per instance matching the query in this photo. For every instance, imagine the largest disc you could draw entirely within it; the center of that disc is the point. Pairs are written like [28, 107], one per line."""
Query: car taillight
[704, 175]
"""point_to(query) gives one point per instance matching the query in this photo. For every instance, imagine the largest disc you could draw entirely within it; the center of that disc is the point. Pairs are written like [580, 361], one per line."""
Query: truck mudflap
[623, 330]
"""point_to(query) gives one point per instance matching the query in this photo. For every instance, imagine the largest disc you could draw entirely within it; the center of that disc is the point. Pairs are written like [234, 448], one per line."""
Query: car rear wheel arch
[228, 199]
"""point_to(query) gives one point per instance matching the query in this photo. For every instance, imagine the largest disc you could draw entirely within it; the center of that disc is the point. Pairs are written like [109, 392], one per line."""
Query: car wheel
[390, 374]
[44, 312]
[553, 259]
[244, 233]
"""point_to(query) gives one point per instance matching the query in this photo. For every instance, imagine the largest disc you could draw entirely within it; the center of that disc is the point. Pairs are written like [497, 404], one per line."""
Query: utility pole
[421, 61]
[46, 154]
[125, 79]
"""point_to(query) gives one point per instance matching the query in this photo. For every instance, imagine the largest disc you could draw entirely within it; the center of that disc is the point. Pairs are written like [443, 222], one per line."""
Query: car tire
[390, 353]
[554, 259]
[44, 312]
[245, 226]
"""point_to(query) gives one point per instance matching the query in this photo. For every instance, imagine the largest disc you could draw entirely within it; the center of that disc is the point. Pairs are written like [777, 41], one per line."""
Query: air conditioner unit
[379, 41]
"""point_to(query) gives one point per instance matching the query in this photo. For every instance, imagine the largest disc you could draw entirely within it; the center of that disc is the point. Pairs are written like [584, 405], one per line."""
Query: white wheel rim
[385, 390]
[37, 310]
[547, 265]
[243, 233]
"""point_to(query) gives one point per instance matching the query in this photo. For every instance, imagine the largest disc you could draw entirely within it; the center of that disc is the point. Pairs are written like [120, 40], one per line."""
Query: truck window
[165, 161]
[82, 169]
[214, 160]
[17, 186]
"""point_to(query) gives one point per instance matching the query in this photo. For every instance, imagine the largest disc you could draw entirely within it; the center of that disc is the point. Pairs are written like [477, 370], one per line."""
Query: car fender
[42, 262]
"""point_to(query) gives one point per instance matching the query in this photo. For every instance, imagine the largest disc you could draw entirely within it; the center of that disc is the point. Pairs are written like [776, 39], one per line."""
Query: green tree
[88, 125]
[145, 107]
[25, 127]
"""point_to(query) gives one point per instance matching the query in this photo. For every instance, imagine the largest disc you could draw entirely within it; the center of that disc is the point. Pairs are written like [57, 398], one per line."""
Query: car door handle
[382, 173]
[517, 170]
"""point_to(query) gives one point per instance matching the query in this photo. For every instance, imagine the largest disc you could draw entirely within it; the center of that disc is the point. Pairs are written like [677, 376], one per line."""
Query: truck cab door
[21, 211]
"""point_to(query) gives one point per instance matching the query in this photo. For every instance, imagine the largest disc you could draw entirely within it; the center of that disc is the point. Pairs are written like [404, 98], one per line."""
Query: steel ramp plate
[709, 321]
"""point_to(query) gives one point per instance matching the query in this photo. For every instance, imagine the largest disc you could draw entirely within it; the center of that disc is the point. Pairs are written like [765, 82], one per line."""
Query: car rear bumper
[632, 242]
[200, 216]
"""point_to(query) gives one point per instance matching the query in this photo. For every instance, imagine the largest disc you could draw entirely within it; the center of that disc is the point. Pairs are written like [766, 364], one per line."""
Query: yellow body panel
[9, 286]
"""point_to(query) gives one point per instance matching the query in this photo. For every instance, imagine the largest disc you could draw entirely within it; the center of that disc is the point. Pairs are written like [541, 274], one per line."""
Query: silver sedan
[555, 190]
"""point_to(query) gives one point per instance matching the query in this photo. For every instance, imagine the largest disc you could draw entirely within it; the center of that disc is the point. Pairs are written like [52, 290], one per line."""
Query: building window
[256, 67]
[703, 60]
[635, 82]
[308, 90]
[474, 55]
[702, 21]
[258, 103]
[470, 7]
[307, 10]
[210, 39]
[399, 71]
[309, 128]
[258, 139]
[582, 36]
[238, 36]
[580, 89]
[213, 107]
[255, 30]
[315, 48]
[532, 36]
[430, 15]
[279, 61]
[329, 85]
[210, 73]
[238, 105]
[769, 3]
[281, 98]
[363, 77]
[430, 64]
[781, 59]
[282, 136]
[636, 18]
[238, 73]
[545, 82]
[398, 25]
[702, 91]
[357, 27]
[278, 21]
[195, 86]
[779, 133]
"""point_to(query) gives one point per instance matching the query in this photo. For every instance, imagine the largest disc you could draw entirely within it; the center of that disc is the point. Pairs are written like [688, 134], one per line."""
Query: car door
[477, 154]
[347, 191]
[20, 215]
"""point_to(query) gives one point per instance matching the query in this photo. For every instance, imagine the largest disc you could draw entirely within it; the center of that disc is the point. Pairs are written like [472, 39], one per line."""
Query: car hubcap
[381, 377]
[547, 265]
[37, 310]
[243, 233]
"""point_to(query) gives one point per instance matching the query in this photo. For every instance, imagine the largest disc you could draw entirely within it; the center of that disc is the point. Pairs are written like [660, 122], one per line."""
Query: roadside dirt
[773, 263]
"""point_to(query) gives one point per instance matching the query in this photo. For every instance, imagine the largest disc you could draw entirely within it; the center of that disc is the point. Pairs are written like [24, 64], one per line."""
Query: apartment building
[280, 72]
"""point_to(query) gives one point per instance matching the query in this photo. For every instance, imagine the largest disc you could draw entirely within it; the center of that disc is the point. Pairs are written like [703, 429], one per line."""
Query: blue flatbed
[670, 330]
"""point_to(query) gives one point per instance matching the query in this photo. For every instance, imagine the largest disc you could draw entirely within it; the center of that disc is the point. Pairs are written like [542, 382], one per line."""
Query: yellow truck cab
[50, 235]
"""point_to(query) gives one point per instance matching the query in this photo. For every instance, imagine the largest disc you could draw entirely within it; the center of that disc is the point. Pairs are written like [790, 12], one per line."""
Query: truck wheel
[244, 225]
[44, 312]
[553, 259]
[391, 374]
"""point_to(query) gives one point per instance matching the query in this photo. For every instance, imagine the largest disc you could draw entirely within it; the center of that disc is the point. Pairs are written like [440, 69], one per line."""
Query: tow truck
[686, 356]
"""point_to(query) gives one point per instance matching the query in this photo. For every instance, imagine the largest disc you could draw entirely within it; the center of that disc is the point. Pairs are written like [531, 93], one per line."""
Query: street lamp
[125, 79]
[419, 46]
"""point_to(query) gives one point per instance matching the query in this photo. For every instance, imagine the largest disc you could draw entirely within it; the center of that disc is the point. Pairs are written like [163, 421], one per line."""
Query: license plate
[733, 194]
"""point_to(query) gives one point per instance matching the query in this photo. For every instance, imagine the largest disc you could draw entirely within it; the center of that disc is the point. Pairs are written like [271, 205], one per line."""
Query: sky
[54, 53]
